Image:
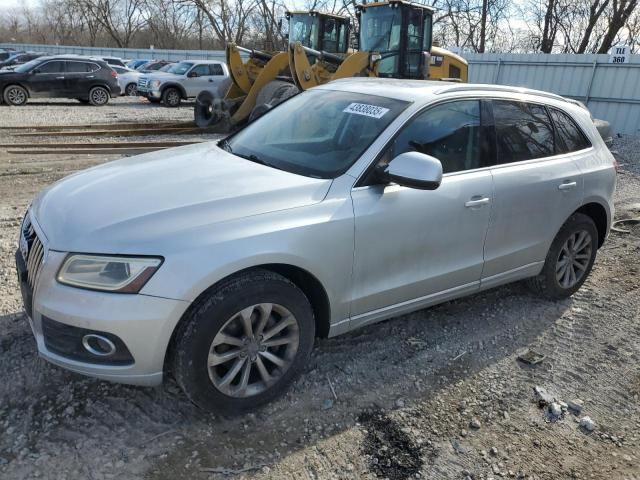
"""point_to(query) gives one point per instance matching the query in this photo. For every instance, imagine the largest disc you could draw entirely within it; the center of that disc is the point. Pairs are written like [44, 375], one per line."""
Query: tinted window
[119, 70]
[51, 67]
[523, 131]
[216, 69]
[569, 138]
[449, 132]
[81, 67]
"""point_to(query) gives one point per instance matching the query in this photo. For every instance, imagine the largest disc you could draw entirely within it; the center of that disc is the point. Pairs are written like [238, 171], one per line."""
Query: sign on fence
[619, 54]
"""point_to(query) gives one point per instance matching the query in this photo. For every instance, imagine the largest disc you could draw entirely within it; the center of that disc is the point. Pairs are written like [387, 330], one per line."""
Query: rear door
[48, 79]
[79, 78]
[536, 190]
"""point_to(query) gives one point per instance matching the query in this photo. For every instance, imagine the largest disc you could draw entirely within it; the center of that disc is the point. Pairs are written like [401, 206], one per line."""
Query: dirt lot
[437, 394]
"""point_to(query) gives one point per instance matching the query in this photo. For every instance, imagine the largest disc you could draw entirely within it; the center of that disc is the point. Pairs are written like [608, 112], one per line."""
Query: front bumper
[149, 93]
[144, 323]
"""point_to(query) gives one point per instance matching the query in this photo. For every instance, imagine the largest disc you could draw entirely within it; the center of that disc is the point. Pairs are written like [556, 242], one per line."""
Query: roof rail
[498, 88]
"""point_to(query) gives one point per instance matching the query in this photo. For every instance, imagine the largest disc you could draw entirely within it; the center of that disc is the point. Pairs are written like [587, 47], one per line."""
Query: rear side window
[523, 131]
[216, 69]
[569, 138]
[51, 67]
[81, 67]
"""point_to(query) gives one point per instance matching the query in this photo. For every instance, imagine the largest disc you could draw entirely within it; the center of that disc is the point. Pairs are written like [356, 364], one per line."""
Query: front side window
[178, 68]
[323, 144]
[569, 138]
[523, 131]
[449, 132]
[51, 67]
[201, 70]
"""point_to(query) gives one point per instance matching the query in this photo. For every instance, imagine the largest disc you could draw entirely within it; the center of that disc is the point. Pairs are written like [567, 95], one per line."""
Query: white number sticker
[366, 110]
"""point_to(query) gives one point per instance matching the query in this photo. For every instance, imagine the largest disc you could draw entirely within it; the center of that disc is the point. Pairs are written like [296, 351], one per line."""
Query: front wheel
[15, 95]
[171, 97]
[131, 90]
[244, 343]
[98, 96]
[569, 260]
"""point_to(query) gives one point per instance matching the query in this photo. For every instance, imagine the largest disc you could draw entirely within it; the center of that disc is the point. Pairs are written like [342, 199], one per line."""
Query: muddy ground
[438, 394]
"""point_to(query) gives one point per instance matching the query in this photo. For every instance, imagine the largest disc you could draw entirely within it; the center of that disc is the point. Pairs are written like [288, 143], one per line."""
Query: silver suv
[184, 80]
[221, 262]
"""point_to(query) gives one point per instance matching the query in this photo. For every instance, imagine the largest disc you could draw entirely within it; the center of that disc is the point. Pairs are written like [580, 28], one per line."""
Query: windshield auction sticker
[366, 110]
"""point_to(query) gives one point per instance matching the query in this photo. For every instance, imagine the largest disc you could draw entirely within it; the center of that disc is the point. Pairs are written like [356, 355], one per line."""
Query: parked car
[226, 262]
[18, 59]
[114, 61]
[185, 80]
[5, 54]
[136, 63]
[88, 80]
[128, 80]
[153, 66]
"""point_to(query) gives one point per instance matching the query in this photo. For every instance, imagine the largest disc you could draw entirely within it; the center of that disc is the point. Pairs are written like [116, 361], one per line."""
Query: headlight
[109, 273]
[155, 83]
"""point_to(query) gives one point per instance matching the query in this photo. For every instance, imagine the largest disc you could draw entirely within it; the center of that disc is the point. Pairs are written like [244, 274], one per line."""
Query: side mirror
[192, 74]
[414, 170]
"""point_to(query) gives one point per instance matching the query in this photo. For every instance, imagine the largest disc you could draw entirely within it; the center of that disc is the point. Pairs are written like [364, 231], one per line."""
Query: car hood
[134, 204]
[159, 75]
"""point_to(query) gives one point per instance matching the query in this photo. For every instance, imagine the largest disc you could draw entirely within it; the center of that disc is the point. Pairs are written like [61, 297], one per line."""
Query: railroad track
[104, 148]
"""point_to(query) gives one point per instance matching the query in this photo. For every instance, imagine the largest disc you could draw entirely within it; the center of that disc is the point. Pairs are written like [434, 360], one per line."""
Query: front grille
[142, 82]
[34, 252]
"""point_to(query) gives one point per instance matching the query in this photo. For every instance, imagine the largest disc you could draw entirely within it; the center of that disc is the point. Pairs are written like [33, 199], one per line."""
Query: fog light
[98, 345]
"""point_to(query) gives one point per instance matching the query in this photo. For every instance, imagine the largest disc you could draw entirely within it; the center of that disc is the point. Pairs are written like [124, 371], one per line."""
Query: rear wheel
[569, 260]
[245, 343]
[15, 95]
[98, 96]
[171, 97]
[131, 90]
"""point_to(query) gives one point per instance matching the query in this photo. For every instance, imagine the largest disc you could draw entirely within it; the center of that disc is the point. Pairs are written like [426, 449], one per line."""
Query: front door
[196, 84]
[48, 79]
[413, 247]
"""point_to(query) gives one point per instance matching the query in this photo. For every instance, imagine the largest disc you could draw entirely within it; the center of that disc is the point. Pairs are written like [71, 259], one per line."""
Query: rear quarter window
[569, 137]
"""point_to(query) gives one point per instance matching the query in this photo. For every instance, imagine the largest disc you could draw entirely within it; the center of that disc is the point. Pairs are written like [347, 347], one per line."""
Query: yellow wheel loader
[264, 79]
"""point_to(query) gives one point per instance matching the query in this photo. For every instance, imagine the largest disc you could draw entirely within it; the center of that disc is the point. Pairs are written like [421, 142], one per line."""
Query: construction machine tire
[273, 93]
[204, 112]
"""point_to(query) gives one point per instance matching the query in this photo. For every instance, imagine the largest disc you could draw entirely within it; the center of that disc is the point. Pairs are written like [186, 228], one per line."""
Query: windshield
[179, 68]
[167, 67]
[317, 133]
[380, 29]
[303, 28]
[25, 67]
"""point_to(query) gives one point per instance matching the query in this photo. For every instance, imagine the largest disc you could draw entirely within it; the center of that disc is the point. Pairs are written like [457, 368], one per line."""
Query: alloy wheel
[99, 96]
[253, 349]
[16, 96]
[131, 90]
[173, 98]
[574, 258]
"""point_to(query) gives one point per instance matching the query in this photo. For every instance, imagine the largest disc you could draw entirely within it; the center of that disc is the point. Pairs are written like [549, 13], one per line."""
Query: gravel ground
[436, 394]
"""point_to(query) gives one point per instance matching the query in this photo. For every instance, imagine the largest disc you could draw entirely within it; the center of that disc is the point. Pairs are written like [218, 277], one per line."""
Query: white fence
[610, 90]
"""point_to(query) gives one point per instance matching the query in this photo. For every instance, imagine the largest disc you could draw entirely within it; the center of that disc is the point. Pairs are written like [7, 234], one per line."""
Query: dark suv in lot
[86, 79]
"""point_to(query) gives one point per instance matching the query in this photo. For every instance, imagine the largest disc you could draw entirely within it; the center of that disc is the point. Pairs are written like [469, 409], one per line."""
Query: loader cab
[319, 31]
[401, 33]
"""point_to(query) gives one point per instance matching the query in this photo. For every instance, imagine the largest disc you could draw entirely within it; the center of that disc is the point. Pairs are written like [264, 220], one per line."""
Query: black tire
[207, 318]
[171, 97]
[272, 94]
[15, 95]
[203, 111]
[547, 283]
[98, 96]
[131, 90]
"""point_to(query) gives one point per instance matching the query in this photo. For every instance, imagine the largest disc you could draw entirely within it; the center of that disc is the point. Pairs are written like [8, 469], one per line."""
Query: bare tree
[621, 11]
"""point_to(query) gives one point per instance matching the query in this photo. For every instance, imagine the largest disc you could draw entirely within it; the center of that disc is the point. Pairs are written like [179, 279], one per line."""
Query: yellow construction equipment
[395, 40]
[264, 79]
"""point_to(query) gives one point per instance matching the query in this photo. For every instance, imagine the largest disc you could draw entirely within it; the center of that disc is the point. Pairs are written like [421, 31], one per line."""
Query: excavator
[395, 41]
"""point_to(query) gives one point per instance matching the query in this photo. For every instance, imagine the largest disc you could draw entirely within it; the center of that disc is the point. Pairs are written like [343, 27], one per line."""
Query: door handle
[91, 76]
[211, 80]
[59, 78]
[567, 186]
[477, 202]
